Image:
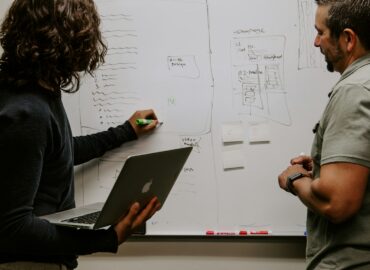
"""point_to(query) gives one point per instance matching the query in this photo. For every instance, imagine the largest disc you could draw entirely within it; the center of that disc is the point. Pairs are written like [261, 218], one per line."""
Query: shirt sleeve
[347, 133]
[92, 146]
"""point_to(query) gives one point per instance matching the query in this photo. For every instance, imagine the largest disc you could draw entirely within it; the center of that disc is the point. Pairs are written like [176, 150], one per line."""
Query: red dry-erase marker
[243, 232]
[209, 232]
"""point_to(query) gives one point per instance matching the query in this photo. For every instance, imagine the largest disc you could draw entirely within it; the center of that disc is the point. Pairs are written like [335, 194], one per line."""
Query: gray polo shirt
[343, 135]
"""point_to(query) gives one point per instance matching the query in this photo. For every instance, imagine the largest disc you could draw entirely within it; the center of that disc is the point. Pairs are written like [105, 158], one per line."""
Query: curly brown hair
[49, 42]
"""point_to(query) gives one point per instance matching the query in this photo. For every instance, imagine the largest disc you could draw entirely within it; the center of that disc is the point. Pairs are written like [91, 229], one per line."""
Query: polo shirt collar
[356, 65]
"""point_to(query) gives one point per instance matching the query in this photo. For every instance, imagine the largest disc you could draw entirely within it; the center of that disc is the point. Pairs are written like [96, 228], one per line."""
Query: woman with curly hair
[47, 45]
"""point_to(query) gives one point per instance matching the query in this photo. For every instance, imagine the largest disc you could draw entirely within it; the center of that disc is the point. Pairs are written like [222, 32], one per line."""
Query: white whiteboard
[239, 80]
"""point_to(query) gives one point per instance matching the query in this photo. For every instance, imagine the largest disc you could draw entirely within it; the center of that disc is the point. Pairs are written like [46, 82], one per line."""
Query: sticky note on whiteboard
[232, 132]
[233, 159]
[259, 132]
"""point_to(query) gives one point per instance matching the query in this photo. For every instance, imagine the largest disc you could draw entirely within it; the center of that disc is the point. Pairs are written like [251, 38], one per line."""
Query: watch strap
[291, 178]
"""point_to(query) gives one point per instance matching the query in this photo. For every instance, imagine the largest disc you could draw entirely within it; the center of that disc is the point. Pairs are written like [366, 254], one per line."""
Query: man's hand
[305, 161]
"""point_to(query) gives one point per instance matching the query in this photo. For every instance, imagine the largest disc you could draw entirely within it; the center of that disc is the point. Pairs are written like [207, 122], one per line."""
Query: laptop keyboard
[84, 219]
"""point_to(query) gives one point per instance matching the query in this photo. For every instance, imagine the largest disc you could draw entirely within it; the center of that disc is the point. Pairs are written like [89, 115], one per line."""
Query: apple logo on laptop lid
[147, 186]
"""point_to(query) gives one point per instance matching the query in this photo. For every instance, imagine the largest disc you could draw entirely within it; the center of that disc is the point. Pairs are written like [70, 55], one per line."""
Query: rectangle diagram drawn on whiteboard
[258, 77]
[308, 55]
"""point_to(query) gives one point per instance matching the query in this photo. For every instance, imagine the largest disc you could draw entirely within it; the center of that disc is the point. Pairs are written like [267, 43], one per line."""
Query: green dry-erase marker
[143, 122]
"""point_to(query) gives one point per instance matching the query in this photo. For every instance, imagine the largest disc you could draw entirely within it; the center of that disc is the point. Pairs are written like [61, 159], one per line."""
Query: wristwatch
[291, 179]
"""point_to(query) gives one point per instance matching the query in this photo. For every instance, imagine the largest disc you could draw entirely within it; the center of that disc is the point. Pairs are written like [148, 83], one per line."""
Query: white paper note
[259, 132]
[233, 159]
[232, 132]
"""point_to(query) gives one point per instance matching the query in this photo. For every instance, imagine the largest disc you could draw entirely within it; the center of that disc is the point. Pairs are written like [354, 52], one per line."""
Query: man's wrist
[291, 179]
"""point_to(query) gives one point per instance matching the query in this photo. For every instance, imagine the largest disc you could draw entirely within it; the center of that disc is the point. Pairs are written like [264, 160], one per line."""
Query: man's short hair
[353, 14]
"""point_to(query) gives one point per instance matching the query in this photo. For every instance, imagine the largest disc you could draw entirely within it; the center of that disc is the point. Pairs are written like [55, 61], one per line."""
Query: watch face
[291, 179]
[295, 176]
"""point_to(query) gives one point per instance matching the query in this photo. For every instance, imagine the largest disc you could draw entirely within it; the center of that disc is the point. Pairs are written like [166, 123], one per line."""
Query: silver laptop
[142, 177]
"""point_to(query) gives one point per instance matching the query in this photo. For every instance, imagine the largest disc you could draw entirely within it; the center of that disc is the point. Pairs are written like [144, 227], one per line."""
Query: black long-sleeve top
[37, 158]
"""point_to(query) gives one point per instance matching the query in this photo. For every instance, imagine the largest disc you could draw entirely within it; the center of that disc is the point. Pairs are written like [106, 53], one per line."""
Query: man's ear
[350, 39]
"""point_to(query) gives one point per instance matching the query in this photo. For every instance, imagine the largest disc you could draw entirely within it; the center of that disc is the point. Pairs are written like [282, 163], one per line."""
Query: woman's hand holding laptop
[135, 218]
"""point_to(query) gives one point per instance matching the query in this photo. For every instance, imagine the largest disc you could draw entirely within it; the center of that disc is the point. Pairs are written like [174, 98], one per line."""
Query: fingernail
[136, 206]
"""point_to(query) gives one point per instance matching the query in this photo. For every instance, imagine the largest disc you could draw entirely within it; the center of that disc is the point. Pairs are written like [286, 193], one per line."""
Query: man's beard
[339, 55]
[329, 66]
